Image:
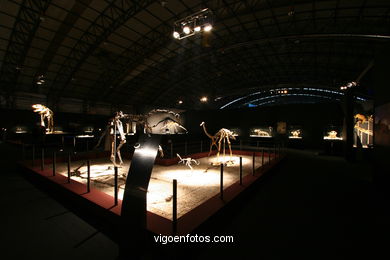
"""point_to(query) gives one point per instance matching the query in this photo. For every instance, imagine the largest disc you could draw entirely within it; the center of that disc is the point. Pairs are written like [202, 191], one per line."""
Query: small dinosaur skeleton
[332, 134]
[296, 133]
[187, 161]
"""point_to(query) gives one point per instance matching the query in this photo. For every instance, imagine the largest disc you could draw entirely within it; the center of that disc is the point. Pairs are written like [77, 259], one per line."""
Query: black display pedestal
[134, 212]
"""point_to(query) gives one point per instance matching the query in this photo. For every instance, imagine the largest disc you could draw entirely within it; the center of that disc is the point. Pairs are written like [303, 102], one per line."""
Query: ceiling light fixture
[203, 99]
[192, 24]
[176, 35]
[186, 30]
[208, 28]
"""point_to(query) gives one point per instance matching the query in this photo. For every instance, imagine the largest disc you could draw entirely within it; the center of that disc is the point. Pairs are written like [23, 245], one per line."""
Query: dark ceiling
[123, 52]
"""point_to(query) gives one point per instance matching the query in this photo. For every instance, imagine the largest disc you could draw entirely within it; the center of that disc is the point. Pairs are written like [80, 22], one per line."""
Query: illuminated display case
[20, 129]
[235, 131]
[295, 132]
[265, 132]
[363, 131]
[333, 132]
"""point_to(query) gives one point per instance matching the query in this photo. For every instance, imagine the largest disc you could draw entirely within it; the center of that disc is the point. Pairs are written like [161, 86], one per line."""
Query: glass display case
[363, 131]
[265, 132]
[235, 131]
[295, 132]
[333, 132]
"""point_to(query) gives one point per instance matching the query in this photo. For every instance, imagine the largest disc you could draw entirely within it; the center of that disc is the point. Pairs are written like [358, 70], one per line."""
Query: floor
[311, 207]
[195, 185]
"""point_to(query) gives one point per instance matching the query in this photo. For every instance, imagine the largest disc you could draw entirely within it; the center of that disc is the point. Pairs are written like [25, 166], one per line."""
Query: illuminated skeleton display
[360, 120]
[47, 114]
[222, 136]
[115, 127]
[187, 161]
[169, 125]
[296, 133]
[332, 134]
[260, 132]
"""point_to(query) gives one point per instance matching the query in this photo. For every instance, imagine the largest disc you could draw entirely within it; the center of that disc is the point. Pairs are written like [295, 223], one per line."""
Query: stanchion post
[221, 183]
[88, 177]
[262, 157]
[116, 185]
[33, 155]
[240, 170]
[274, 152]
[43, 159]
[54, 163]
[174, 207]
[23, 151]
[74, 144]
[253, 164]
[68, 167]
[269, 155]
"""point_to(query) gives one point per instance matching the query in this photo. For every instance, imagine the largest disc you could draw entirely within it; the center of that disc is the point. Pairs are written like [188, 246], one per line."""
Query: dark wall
[381, 72]
[68, 121]
[314, 118]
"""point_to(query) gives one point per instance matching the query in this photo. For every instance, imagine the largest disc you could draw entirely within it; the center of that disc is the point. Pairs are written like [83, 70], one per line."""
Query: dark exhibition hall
[195, 129]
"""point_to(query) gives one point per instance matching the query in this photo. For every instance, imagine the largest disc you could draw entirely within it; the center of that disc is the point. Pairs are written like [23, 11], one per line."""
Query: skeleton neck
[205, 131]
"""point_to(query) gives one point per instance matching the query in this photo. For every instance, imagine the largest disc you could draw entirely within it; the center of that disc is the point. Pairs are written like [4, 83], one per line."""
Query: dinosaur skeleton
[260, 132]
[115, 127]
[296, 133]
[222, 136]
[187, 161]
[332, 134]
[169, 124]
[47, 114]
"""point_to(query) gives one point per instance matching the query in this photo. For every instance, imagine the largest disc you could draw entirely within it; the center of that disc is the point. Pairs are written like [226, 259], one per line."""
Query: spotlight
[186, 30]
[198, 22]
[176, 35]
[208, 28]
[180, 102]
[204, 99]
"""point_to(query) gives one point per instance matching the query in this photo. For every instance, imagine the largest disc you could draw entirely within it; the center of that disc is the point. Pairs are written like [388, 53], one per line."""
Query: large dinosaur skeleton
[47, 114]
[362, 119]
[221, 137]
[187, 161]
[170, 125]
[115, 127]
